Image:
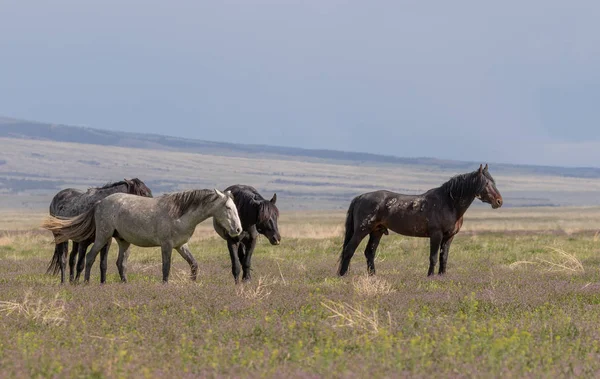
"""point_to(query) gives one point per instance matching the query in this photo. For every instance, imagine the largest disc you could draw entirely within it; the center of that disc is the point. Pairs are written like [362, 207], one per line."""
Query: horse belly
[138, 231]
[409, 225]
[137, 239]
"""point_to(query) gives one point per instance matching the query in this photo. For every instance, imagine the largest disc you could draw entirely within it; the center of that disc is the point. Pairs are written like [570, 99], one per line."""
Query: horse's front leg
[371, 249]
[435, 241]
[247, 262]
[444, 254]
[166, 250]
[235, 263]
[186, 254]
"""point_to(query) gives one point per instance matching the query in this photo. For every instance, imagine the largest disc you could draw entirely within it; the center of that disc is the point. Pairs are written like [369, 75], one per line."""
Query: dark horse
[72, 202]
[437, 214]
[258, 216]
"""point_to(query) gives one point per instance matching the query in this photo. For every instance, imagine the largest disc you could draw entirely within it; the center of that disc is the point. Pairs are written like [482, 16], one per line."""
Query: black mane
[466, 185]
[111, 185]
[266, 210]
[134, 186]
[252, 207]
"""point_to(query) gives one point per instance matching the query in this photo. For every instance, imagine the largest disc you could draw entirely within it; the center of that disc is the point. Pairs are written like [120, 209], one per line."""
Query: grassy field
[521, 299]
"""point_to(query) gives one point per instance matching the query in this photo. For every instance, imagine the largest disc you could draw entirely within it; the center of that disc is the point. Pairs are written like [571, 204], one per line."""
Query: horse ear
[219, 193]
[481, 168]
[486, 167]
[274, 199]
[229, 194]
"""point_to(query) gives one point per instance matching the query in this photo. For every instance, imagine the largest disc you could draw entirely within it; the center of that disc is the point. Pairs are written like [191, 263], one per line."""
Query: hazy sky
[506, 81]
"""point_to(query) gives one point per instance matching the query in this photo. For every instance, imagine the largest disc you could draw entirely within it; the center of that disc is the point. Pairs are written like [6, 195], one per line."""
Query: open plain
[521, 299]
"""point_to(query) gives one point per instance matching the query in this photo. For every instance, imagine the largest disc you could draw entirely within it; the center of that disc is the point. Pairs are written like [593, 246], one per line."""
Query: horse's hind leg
[122, 258]
[72, 257]
[60, 252]
[104, 261]
[186, 254]
[371, 248]
[101, 240]
[349, 250]
[82, 250]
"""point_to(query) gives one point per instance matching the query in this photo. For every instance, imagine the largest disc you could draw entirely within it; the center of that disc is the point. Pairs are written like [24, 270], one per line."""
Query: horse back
[242, 192]
[65, 203]
[403, 214]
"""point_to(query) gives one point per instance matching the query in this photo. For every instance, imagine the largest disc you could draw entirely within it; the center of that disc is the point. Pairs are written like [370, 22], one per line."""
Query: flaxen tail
[79, 228]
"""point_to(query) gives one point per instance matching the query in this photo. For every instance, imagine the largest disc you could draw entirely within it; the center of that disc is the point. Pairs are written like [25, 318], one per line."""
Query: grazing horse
[167, 221]
[437, 214]
[258, 216]
[72, 202]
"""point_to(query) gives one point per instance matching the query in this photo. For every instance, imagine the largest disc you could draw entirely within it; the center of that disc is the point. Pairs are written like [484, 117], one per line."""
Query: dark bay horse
[437, 214]
[72, 202]
[167, 221]
[258, 216]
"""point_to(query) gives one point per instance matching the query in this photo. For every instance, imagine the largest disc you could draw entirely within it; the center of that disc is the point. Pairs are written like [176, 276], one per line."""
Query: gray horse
[72, 202]
[167, 221]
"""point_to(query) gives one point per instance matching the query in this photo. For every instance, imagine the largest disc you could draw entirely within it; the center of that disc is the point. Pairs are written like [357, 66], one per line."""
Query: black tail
[349, 230]
[59, 250]
[350, 222]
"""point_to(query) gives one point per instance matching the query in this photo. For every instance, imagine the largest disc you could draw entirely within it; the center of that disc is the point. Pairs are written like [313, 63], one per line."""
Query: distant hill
[12, 128]
[37, 160]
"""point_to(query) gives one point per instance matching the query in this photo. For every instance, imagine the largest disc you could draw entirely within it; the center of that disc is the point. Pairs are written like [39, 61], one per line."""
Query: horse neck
[461, 200]
[195, 216]
[462, 204]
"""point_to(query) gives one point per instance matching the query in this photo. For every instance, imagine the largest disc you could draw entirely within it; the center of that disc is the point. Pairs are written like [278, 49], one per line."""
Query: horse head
[267, 221]
[226, 213]
[489, 193]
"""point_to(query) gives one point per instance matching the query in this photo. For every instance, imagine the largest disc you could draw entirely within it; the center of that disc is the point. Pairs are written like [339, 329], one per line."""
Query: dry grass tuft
[372, 286]
[261, 291]
[41, 311]
[180, 277]
[355, 317]
[563, 262]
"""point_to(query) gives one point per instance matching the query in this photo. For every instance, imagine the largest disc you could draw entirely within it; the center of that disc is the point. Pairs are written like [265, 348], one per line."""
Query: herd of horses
[127, 212]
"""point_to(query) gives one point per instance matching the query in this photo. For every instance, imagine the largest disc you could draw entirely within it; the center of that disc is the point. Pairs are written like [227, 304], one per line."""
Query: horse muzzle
[235, 232]
[497, 203]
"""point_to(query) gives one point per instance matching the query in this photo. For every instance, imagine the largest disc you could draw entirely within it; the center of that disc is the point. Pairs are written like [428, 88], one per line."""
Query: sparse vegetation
[486, 317]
